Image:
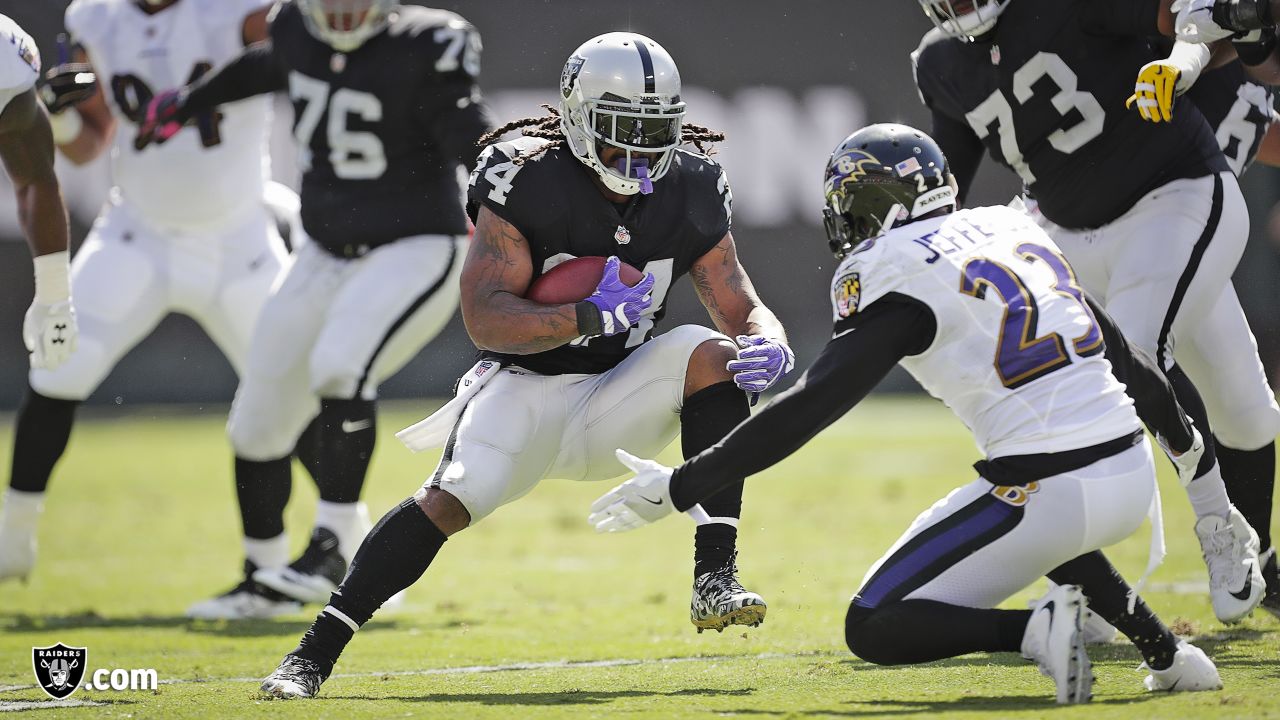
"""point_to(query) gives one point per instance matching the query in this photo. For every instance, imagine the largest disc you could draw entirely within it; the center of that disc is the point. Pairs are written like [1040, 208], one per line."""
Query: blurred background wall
[785, 80]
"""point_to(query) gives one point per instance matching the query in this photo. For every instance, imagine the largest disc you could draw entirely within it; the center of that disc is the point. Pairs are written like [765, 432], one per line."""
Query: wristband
[1190, 59]
[66, 126]
[53, 277]
[590, 322]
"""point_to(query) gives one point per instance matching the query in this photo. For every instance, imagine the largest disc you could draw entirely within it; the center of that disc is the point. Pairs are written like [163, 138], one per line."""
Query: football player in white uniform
[981, 308]
[49, 330]
[186, 228]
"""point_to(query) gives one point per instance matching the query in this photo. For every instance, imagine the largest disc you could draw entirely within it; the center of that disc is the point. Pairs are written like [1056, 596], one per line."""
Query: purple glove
[165, 117]
[614, 307]
[761, 362]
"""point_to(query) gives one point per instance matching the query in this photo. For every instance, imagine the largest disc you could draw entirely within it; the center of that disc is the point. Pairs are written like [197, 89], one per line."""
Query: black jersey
[556, 205]
[1046, 95]
[1238, 109]
[382, 130]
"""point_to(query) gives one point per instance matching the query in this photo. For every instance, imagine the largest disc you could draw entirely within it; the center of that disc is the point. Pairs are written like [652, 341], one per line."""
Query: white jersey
[19, 61]
[210, 174]
[1017, 354]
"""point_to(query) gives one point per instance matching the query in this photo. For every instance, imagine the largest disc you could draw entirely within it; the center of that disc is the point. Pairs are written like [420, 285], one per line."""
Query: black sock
[1108, 596]
[1189, 399]
[39, 439]
[1250, 476]
[263, 491]
[307, 450]
[707, 416]
[916, 631]
[347, 434]
[392, 557]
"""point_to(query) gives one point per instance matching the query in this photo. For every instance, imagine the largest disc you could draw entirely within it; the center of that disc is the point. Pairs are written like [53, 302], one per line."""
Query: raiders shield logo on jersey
[59, 669]
[848, 291]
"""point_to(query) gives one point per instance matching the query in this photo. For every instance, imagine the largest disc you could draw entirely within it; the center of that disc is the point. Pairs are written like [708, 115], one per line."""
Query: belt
[1023, 469]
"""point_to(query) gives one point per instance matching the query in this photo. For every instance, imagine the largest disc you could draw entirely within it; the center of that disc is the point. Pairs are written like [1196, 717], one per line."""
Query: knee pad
[858, 621]
[336, 373]
[1247, 428]
[77, 378]
[259, 436]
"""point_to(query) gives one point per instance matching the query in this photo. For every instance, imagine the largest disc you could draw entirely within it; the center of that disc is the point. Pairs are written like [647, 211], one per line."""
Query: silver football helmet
[964, 19]
[622, 90]
[345, 25]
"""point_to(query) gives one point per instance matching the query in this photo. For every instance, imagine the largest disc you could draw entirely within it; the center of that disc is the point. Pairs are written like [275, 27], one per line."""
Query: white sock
[269, 553]
[1208, 494]
[21, 510]
[344, 519]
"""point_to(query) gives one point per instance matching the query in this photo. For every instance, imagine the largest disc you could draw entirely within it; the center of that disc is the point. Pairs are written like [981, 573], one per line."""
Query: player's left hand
[643, 499]
[1154, 91]
[49, 332]
[164, 118]
[762, 361]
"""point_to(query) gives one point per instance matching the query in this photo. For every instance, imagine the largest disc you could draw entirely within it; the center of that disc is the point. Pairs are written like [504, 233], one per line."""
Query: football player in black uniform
[560, 387]
[1149, 215]
[374, 279]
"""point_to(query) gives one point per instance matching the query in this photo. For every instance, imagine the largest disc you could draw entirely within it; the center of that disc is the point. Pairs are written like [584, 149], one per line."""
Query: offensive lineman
[982, 309]
[186, 228]
[560, 386]
[386, 109]
[1150, 216]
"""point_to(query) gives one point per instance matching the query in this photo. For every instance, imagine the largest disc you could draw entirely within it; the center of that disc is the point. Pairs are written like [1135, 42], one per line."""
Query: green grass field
[533, 615]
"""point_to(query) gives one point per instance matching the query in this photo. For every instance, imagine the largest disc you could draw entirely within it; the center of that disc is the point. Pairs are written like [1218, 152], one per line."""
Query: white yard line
[20, 705]
[511, 667]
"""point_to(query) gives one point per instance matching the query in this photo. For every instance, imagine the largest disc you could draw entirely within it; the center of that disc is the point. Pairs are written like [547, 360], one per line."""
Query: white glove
[1194, 22]
[49, 332]
[643, 499]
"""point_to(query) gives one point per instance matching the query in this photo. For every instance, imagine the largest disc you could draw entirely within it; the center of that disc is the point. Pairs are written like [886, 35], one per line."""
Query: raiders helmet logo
[59, 669]
[847, 292]
[570, 74]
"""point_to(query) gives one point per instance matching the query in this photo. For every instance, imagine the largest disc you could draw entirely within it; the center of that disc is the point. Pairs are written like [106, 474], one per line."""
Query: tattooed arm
[727, 293]
[495, 278]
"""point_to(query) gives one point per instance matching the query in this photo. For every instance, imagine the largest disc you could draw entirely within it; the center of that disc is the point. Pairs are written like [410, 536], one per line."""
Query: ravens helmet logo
[851, 167]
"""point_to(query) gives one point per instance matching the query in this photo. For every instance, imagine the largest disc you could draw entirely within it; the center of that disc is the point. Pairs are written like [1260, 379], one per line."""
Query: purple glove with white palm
[614, 307]
[762, 361]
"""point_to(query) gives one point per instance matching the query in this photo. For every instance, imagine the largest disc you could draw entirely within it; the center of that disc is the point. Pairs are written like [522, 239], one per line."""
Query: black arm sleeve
[1258, 52]
[1153, 396]
[457, 122]
[255, 71]
[851, 364]
[962, 148]
[1121, 17]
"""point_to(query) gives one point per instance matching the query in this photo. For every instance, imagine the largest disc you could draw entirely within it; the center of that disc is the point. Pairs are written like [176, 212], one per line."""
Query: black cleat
[314, 575]
[719, 600]
[248, 600]
[296, 677]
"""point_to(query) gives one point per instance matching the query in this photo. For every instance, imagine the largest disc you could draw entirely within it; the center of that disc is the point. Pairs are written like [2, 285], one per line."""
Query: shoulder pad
[87, 20]
[865, 275]
[703, 176]
[449, 44]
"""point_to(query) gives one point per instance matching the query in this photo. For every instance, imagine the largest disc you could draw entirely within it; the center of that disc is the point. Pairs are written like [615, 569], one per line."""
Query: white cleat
[1096, 630]
[1054, 640]
[294, 679]
[1230, 548]
[1191, 671]
[17, 553]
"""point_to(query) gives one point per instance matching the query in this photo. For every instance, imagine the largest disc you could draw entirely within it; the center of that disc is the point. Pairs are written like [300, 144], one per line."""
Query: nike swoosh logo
[1244, 592]
[350, 426]
[655, 502]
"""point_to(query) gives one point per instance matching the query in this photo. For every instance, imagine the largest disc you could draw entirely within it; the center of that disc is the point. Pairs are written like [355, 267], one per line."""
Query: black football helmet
[882, 176]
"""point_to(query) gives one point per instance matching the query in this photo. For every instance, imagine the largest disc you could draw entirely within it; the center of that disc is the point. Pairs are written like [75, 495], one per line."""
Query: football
[574, 280]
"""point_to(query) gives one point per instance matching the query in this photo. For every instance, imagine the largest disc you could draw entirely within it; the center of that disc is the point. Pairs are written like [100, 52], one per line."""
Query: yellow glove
[1153, 93]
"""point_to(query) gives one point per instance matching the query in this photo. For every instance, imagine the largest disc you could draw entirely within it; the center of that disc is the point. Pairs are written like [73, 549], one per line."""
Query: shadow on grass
[566, 697]
[88, 619]
[1005, 706]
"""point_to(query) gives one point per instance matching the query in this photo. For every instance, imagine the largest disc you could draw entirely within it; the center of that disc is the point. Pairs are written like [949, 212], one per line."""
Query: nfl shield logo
[623, 235]
[59, 669]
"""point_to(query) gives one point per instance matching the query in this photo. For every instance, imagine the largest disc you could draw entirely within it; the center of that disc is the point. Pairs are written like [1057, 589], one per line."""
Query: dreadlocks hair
[548, 127]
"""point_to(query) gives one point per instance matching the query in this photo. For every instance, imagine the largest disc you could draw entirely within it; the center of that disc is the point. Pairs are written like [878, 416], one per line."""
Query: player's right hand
[620, 305]
[67, 85]
[643, 499]
[163, 119]
[1153, 92]
[49, 332]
